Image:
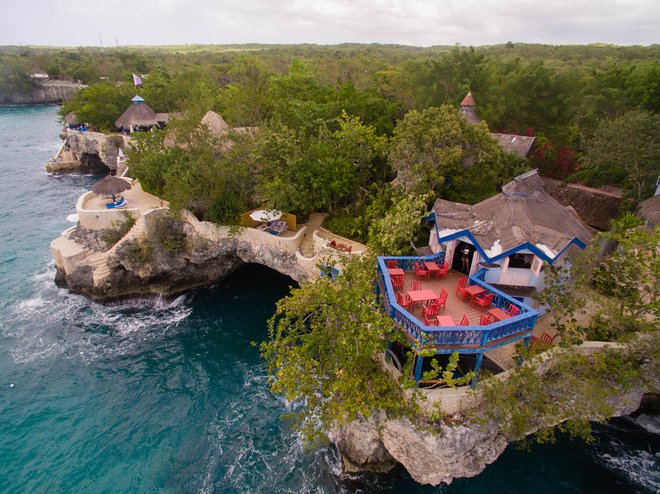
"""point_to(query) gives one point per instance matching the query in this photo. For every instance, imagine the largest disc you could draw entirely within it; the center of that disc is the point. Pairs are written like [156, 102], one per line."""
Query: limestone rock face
[451, 452]
[361, 448]
[93, 145]
[43, 93]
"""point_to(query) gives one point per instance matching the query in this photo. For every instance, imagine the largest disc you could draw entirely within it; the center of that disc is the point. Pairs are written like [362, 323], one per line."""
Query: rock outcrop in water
[88, 151]
[438, 453]
[156, 260]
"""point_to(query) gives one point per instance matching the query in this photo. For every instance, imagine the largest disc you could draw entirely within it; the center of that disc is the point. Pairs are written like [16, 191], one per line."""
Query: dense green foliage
[625, 150]
[326, 341]
[612, 299]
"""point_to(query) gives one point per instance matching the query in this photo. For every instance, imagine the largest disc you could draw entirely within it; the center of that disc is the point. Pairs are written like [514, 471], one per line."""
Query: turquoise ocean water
[169, 396]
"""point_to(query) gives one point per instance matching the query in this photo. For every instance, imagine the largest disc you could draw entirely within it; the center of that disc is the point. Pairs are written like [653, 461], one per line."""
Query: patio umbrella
[266, 215]
[110, 186]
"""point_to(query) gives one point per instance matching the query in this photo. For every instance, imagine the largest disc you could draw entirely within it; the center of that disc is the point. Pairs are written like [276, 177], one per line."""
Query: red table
[396, 272]
[445, 321]
[432, 267]
[498, 314]
[421, 296]
[474, 290]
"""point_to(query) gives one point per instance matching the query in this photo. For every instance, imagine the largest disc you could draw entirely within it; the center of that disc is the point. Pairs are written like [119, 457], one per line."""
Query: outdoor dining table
[498, 314]
[445, 321]
[421, 296]
[432, 267]
[396, 272]
[474, 290]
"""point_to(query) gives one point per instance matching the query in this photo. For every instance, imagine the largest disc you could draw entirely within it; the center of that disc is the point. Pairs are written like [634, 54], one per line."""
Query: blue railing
[467, 339]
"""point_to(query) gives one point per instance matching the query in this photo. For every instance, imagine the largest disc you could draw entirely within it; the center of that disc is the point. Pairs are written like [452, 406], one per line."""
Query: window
[519, 260]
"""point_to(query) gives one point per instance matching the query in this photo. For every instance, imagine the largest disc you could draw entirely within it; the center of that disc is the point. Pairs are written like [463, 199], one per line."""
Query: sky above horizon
[409, 22]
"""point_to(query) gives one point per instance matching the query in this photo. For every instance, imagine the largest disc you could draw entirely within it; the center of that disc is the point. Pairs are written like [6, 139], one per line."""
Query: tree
[325, 344]
[300, 173]
[393, 233]
[99, 104]
[437, 150]
[625, 151]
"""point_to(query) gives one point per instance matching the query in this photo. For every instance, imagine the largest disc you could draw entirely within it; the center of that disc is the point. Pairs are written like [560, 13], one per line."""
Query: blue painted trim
[527, 245]
[419, 363]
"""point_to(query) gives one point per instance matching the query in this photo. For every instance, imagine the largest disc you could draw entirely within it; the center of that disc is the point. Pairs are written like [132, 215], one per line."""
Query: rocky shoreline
[49, 92]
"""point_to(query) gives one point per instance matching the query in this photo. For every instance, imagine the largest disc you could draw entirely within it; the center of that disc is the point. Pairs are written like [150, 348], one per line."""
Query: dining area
[440, 297]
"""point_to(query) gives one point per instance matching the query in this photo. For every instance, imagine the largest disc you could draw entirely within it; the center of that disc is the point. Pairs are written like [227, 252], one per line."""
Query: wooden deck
[455, 308]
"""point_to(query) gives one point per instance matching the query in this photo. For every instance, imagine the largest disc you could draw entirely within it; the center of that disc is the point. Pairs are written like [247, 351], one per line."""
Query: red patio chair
[392, 263]
[415, 285]
[483, 301]
[444, 268]
[397, 281]
[442, 299]
[465, 321]
[484, 319]
[513, 310]
[421, 272]
[429, 314]
[460, 288]
[545, 339]
[403, 300]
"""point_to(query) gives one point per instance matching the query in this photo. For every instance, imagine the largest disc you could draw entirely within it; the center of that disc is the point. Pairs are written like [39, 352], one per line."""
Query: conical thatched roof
[70, 119]
[140, 114]
[649, 211]
[215, 123]
[522, 213]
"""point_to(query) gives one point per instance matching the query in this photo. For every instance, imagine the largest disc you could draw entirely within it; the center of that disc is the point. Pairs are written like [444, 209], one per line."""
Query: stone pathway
[314, 223]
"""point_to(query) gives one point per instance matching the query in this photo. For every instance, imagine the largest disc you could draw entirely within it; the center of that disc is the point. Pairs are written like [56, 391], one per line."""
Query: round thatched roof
[139, 113]
[649, 211]
[110, 185]
[215, 123]
[70, 119]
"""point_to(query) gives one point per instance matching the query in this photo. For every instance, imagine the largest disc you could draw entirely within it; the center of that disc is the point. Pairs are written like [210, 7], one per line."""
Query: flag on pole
[137, 81]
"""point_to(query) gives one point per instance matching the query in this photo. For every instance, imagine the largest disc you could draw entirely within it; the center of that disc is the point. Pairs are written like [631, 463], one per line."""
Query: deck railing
[467, 339]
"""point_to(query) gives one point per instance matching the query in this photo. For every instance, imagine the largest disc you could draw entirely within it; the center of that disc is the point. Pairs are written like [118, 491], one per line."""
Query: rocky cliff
[43, 93]
[161, 256]
[434, 454]
[88, 151]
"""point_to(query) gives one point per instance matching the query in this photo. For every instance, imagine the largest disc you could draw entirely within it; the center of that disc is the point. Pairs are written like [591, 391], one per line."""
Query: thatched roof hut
[522, 216]
[139, 114]
[649, 210]
[511, 143]
[215, 123]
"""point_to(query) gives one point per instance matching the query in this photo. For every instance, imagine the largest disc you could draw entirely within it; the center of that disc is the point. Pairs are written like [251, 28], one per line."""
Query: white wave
[650, 423]
[55, 323]
[641, 468]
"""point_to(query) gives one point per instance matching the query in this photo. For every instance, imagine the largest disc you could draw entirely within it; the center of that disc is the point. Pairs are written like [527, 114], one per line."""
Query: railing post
[419, 362]
[477, 367]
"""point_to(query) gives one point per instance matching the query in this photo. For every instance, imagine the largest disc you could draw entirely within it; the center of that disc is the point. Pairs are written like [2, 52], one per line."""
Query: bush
[169, 234]
[113, 235]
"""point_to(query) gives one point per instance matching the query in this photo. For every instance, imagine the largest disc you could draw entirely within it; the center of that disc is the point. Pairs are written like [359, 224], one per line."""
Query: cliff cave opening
[92, 163]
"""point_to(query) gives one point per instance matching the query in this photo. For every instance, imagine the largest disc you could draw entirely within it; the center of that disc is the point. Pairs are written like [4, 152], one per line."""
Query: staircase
[99, 260]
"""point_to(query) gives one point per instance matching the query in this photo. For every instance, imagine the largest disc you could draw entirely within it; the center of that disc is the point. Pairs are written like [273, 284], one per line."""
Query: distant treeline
[568, 97]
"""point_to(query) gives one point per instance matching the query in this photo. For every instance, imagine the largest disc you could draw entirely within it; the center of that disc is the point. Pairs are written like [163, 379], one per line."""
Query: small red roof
[468, 100]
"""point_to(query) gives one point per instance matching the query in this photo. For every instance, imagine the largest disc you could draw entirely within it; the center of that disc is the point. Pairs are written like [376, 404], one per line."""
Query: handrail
[470, 339]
